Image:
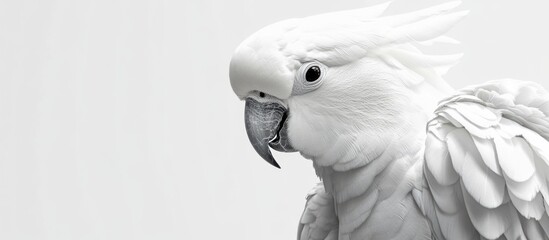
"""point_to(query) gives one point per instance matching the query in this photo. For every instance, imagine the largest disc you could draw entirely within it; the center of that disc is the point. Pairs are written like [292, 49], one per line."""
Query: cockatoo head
[330, 85]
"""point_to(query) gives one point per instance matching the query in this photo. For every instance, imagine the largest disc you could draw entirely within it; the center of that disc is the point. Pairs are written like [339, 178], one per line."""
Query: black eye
[261, 94]
[312, 74]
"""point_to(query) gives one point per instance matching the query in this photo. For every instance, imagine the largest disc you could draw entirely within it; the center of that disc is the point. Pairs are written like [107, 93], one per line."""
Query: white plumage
[401, 154]
[495, 162]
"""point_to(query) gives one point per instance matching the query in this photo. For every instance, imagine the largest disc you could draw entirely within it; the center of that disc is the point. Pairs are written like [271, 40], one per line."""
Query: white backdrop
[117, 119]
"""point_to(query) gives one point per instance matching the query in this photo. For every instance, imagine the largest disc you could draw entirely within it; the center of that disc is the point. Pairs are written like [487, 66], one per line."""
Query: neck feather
[374, 190]
[378, 188]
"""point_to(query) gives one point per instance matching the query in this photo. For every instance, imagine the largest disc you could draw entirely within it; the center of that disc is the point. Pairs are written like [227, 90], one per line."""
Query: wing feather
[544, 223]
[318, 221]
[439, 161]
[455, 226]
[529, 209]
[532, 229]
[515, 158]
[445, 197]
[490, 223]
[487, 160]
[487, 152]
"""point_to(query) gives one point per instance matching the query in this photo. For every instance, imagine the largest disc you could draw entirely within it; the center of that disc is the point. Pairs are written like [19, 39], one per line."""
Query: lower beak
[265, 125]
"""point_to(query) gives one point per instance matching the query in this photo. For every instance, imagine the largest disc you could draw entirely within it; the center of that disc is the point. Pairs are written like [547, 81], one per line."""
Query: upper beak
[265, 124]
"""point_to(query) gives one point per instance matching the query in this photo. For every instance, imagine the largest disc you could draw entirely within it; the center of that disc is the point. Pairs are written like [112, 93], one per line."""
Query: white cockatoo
[401, 155]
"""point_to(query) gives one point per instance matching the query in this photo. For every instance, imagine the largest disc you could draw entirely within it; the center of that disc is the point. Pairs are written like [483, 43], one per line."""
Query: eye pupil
[261, 94]
[312, 74]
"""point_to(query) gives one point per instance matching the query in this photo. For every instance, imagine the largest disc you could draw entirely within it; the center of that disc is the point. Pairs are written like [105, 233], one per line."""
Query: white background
[117, 119]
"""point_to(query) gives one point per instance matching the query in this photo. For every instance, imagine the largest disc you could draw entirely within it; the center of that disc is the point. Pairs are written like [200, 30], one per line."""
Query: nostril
[261, 94]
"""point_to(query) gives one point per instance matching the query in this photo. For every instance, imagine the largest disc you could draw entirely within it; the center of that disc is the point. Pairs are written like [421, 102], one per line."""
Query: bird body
[401, 155]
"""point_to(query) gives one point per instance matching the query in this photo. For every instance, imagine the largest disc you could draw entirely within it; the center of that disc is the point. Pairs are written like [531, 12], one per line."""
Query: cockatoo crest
[339, 38]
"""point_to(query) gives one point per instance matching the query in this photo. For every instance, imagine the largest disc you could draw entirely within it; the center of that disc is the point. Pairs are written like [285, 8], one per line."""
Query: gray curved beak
[265, 125]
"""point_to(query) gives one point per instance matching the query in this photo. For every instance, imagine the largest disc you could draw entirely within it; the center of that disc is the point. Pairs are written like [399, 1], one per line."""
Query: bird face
[331, 84]
[319, 109]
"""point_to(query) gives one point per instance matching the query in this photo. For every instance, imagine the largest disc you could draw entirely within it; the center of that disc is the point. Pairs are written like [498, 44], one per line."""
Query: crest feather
[391, 38]
[407, 18]
[426, 29]
[342, 37]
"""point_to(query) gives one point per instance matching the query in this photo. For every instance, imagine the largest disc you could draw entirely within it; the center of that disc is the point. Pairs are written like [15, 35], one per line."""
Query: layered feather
[490, 143]
[318, 221]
